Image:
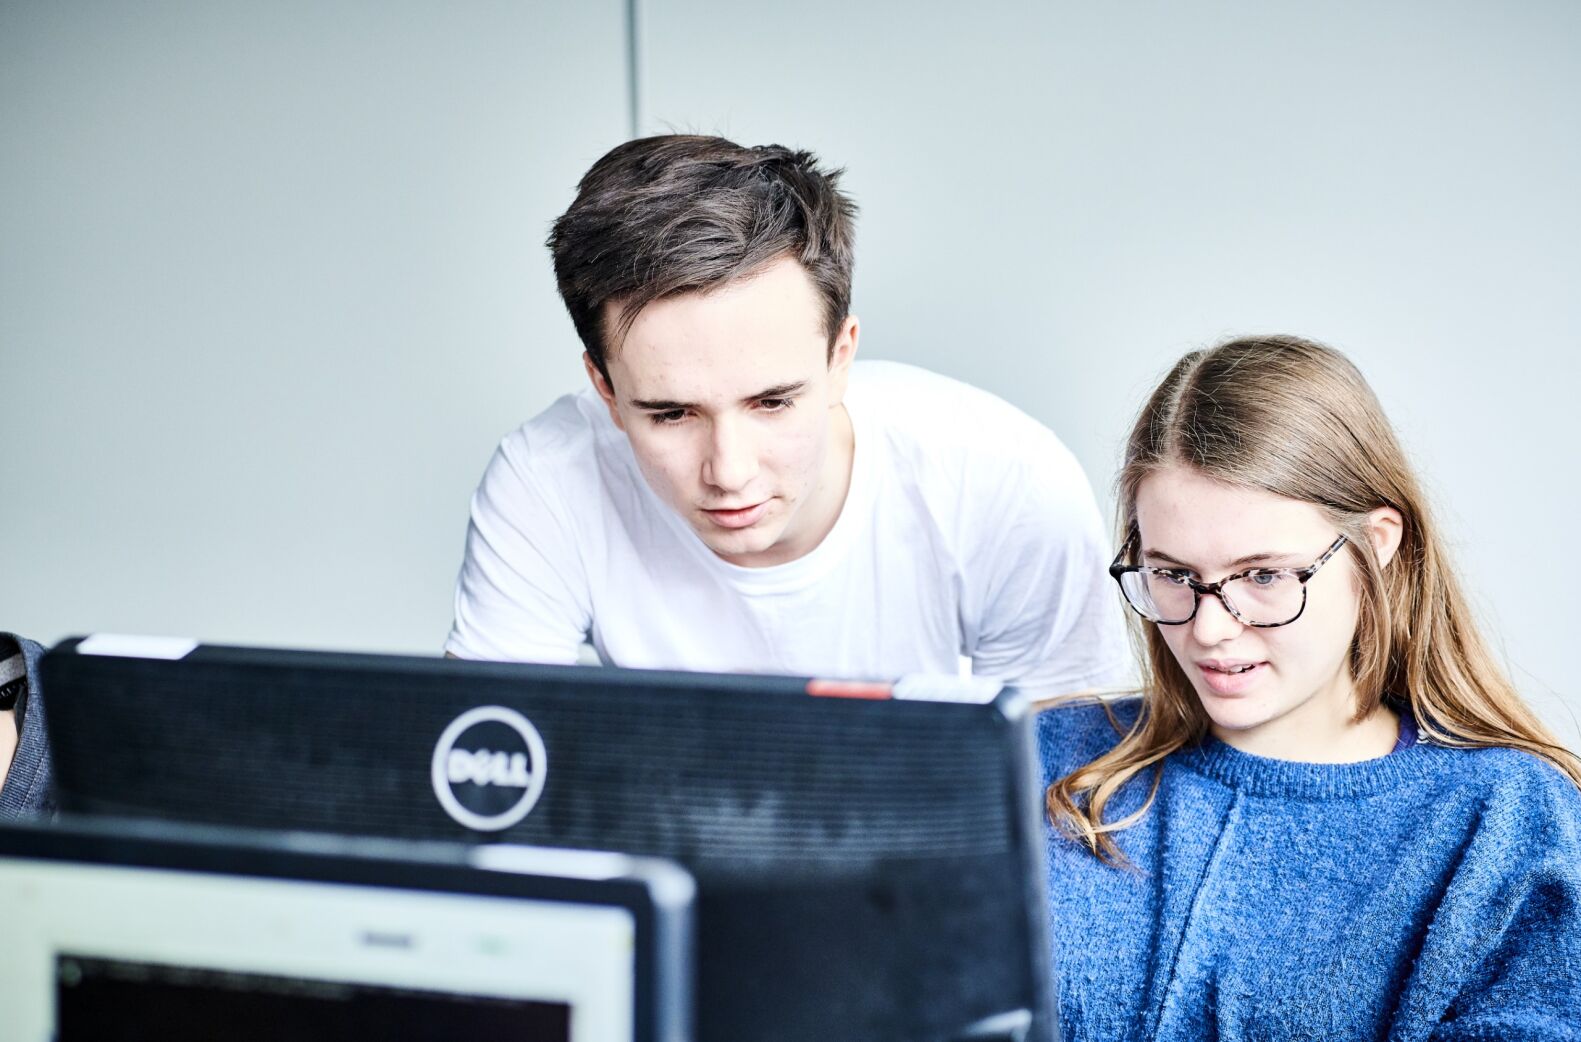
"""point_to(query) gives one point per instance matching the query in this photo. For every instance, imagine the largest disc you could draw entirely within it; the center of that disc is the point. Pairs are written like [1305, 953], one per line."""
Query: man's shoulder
[917, 399]
[935, 417]
[567, 460]
[962, 441]
[569, 433]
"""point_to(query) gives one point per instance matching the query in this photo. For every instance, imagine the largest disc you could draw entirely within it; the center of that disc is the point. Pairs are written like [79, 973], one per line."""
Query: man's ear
[1385, 527]
[602, 386]
[841, 355]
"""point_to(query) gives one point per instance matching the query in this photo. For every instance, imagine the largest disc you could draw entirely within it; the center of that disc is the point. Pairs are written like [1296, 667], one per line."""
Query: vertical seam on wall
[634, 66]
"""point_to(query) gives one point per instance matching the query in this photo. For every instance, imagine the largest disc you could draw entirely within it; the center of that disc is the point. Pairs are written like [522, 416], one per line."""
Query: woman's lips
[1231, 678]
[739, 518]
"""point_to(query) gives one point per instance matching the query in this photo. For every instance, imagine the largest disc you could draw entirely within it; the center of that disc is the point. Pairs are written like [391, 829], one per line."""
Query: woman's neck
[1323, 729]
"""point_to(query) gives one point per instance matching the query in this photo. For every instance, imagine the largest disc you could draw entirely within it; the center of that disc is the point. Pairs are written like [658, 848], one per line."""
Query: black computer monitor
[127, 931]
[869, 866]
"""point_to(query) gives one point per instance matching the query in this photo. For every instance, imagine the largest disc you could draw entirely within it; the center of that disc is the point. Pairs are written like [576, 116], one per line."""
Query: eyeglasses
[1264, 597]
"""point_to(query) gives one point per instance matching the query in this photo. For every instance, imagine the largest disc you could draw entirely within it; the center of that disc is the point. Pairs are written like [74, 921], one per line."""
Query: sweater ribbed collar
[1288, 779]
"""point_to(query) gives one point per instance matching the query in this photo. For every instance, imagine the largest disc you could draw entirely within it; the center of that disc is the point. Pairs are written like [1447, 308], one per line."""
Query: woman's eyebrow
[1270, 557]
[1248, 561]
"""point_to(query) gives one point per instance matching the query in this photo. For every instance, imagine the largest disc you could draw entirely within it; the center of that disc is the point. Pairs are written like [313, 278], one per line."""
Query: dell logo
[488, 768]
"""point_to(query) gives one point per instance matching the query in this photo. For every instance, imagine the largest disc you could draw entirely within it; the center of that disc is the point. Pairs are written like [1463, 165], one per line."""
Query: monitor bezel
[656, 893]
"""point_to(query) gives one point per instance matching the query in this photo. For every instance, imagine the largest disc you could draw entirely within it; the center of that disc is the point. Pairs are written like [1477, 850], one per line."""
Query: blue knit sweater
[1431, 894]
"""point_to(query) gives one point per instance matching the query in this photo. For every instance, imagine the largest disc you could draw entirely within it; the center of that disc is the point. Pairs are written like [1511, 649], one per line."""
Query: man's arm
[522, 593]
[1049, 621]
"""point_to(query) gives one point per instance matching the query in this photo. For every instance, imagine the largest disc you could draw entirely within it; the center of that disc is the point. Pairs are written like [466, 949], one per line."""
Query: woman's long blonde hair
[1296, 418]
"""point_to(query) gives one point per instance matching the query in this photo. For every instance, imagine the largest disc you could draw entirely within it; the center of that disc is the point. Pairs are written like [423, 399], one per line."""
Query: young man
[732, 493]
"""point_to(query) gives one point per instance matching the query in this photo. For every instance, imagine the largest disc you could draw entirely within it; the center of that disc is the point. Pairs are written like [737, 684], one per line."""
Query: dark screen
[102, 1000]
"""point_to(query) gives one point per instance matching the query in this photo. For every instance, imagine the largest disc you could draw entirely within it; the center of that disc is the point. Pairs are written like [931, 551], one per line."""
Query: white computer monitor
[122, 932]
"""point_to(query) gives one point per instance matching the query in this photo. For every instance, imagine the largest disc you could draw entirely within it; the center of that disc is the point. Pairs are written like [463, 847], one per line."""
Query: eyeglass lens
[1267, 599]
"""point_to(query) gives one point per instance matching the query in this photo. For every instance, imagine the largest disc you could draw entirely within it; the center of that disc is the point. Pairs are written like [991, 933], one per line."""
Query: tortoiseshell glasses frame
[1135, 579]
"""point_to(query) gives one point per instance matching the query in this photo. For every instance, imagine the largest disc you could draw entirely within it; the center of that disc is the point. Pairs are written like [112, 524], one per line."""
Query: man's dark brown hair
[681, 213]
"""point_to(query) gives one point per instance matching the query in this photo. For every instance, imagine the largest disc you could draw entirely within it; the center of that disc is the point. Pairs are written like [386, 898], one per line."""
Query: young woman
[1328, 815]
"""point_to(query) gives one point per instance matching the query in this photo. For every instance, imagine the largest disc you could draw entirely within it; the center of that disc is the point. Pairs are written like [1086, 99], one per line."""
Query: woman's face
[1275, 691]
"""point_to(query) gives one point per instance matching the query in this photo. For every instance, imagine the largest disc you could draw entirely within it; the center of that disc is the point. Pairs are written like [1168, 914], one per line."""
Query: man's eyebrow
[666, 405]
[778, 391]
[1265, 557]
[660, 405]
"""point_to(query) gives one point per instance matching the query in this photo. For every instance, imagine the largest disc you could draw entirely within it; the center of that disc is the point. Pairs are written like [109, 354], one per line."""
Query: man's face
[733, 407]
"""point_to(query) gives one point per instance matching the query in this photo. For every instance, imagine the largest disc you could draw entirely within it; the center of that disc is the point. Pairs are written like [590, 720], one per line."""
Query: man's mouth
[737, 517]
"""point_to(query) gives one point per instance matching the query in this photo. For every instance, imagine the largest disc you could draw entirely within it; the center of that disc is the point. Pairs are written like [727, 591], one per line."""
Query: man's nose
[1214, 623]
[731, 461]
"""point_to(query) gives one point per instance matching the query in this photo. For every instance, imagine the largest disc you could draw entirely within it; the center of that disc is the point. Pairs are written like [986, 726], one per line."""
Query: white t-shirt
[968, 530]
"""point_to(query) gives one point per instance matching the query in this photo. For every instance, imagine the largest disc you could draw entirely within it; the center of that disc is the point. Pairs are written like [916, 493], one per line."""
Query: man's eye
[668, 418]
[775, 404]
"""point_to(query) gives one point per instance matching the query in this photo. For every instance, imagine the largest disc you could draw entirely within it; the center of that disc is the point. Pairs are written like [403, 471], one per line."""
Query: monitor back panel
[903, 832]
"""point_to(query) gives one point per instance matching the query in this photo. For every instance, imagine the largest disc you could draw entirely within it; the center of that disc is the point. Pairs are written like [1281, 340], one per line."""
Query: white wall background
[272, 281]
[272, 284]
[1061, 198]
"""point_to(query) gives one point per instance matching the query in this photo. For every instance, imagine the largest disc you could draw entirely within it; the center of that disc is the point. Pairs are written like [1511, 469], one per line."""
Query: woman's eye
[1175, 579]
[1267, 578]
